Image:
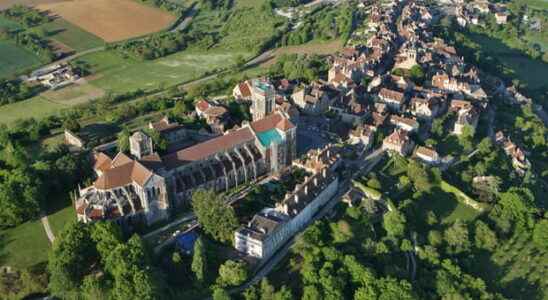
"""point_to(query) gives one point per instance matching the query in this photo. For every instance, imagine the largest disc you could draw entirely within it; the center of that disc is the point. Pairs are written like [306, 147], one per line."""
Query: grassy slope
[15, 59]
[24, 245]
[529, 71]
[72, 36]
[36, 107]
[121, 75]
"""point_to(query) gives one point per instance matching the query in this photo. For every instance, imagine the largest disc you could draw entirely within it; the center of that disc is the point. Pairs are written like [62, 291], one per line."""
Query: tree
[457, 237]
[540, 234]
[123, 140]
[420, 177]
[71, 256]
[267, 290]
[216, 217]
[394, 223]
[20, 195]
[199, 260]
[232, 273]
[311, 292]
[220, 294]
[417, 74]
[71, 124]
[484, 237]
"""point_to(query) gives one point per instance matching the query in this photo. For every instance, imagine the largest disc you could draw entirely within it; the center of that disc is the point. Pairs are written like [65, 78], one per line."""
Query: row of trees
[15, 90]
[25, 15]
[25, 179]
[154, 46]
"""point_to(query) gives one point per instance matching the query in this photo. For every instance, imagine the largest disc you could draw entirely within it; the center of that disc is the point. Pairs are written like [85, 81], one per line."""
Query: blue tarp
[185, 241]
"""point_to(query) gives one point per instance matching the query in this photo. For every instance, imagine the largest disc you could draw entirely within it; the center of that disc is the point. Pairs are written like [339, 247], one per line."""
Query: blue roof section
[268, 137]
[185, 241]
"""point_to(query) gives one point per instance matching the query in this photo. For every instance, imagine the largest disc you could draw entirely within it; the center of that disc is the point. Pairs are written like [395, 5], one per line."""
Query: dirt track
[110, 20]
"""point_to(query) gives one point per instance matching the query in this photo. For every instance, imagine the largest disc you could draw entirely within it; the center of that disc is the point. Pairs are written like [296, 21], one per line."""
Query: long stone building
[148, 186]
[272, 227]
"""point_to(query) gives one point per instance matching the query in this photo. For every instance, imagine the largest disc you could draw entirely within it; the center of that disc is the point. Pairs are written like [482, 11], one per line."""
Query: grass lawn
[15, 59]
[59, 219]
[72, 36]
[36, 107]
[446, 206]
[24, 245]
[118, 75]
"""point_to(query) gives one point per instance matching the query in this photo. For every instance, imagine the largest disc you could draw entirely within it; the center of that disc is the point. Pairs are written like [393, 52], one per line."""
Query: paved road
[47, 228]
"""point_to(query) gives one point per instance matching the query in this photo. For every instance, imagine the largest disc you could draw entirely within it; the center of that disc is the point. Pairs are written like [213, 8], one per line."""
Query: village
[385, 93]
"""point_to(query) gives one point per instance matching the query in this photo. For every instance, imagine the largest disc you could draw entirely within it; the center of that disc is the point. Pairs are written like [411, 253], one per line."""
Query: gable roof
[123, 175]
[208, 148]
[102, 162]
[271, 122]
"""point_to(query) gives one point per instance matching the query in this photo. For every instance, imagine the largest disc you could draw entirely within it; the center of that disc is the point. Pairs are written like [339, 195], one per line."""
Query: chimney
[306, 189]
[296, 198]
[315, 181]
[324, 173]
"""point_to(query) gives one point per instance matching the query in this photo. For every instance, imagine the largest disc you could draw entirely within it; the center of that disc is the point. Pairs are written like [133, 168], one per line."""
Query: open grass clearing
[8, 24]
[8, 3]
[119, 75]
[320, 48]
[71, 35]
[111, 20]
[23, 246]
[36, 107]
[14, 59]
[530, 72]
[73, 94]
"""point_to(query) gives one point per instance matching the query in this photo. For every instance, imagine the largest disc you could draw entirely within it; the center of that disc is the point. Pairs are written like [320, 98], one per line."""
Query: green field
[118, 75]
[72, 36]
[15, 59]
[8, 24]
[531, 72]
[24, 245]
[36, 107]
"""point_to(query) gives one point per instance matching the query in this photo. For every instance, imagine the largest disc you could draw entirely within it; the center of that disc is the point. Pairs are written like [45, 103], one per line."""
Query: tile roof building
[149, 185]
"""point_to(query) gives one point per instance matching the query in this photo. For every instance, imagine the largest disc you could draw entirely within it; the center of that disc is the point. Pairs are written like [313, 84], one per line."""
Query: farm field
[71, 36]
[111, 20]
[15, 59]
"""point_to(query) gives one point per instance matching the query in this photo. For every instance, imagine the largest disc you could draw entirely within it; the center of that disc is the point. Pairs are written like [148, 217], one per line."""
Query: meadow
[71, 35]
[118, 75]
[14, 59]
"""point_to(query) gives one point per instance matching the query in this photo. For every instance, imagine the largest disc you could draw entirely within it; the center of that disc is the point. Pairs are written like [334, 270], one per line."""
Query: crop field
[111, 20]
[14, 59]
[72, 36]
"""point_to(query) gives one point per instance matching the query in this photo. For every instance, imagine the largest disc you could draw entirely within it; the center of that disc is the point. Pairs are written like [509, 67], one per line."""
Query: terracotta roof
[269, 122]
[427, 152]
[392, 95]
[120, 159]
[202, 105]
[163, 125]
[102, 162]
[152, 161]
[122, 175]
[208, 148]
[244, 89]
[284, 125]
[215, 111]
[398, 137]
